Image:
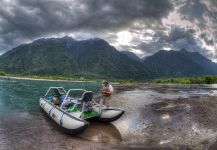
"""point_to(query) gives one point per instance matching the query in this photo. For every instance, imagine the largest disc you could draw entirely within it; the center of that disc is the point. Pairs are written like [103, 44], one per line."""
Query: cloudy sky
[140, 26]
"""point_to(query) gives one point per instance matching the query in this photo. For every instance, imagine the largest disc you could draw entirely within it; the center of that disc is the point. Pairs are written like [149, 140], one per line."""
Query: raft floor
[91, 114]
[86, 115]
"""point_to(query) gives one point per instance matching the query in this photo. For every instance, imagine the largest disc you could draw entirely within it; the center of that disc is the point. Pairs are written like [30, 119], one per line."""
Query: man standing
[106, 92]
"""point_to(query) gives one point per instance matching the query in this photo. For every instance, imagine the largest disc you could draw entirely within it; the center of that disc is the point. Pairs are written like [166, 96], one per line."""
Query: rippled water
[164, 117]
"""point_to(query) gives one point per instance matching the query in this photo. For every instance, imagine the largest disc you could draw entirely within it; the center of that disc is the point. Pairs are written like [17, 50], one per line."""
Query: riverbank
[62, 78]
[120, 85]
[41, 79]
[208, 79]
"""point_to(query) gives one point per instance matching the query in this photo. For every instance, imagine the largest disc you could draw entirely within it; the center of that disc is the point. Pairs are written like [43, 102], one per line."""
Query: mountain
[131, 55]
[180, 63]
[66, 56]
[96, 57]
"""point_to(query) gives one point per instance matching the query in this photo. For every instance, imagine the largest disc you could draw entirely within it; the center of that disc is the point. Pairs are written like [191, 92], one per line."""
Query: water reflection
[165, 116]
[101, 132]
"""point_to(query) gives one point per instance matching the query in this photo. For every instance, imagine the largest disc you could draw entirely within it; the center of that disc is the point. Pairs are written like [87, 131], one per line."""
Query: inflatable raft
[72, 114]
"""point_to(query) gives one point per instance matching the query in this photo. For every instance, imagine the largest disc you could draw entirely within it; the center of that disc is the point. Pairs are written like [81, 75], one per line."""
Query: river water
[156, 117]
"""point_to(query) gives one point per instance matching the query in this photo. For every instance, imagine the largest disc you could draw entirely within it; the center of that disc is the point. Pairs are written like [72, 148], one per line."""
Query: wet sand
[159, 117]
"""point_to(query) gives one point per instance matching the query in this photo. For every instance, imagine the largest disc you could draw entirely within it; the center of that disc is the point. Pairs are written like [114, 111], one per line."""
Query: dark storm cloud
[193, 9]
[196, 10]
[203, 14]
[209, 40]
[214, 4]
[27, 20]
[198, 34]
[177, 39]
[158, 43]
[182, 38]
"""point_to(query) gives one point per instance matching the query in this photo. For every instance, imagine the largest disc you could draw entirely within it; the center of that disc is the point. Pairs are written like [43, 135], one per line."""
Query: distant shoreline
[182, 80]
[50, 80]
[34, 79]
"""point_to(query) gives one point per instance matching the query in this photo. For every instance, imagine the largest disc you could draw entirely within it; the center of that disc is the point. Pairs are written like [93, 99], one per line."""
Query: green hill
[66, 56]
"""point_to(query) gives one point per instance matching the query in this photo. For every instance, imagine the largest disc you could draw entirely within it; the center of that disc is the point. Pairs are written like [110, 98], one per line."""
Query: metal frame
[67, 94]
[55, 88]
[73, 90]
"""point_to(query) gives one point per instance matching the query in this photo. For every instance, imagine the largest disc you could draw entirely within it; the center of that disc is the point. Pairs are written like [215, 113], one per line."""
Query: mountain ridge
[131, 55]
[96, 57]
[180, 63]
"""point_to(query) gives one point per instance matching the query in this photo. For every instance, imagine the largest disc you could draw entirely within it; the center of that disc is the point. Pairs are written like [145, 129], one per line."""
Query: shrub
[2, 73]
[208, 80]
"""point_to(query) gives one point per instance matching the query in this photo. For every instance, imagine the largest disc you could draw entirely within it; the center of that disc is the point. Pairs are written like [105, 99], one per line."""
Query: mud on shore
[172, 116]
